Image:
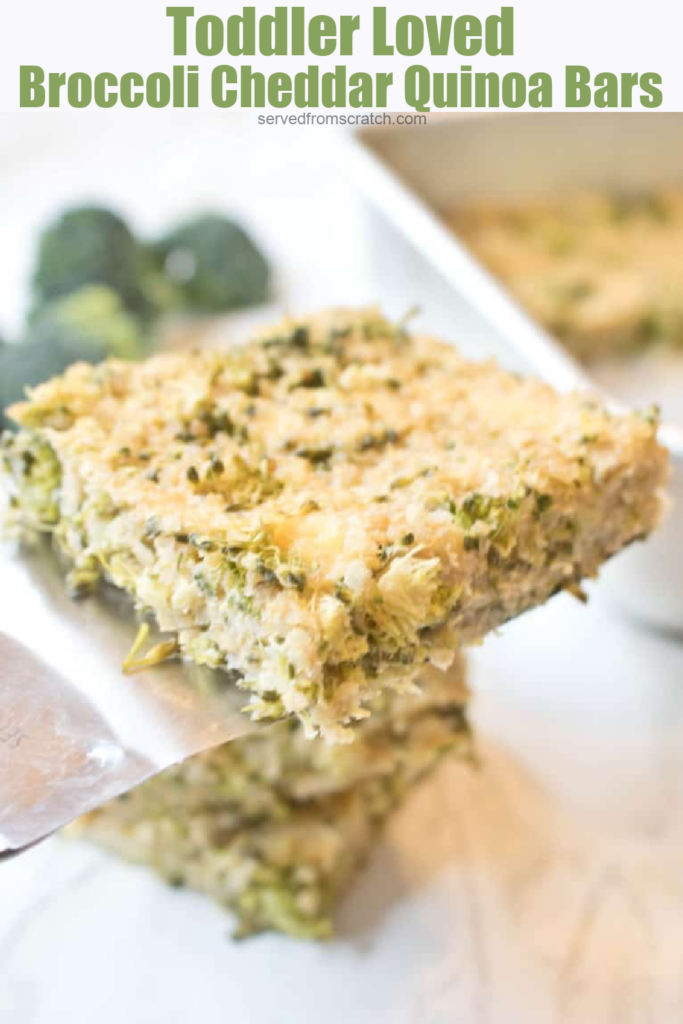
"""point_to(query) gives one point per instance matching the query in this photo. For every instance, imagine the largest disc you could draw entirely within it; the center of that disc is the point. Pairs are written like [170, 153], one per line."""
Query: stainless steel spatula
[74, 730]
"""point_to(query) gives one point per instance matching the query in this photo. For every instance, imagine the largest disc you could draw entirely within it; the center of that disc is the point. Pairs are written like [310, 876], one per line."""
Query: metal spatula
[74, 730]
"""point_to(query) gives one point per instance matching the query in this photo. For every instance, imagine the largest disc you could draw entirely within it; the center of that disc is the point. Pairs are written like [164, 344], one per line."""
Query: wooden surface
[545, 888]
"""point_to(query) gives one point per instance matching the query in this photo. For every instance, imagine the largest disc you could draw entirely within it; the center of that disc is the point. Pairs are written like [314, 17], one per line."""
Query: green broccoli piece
[89, 326]
[94, 316]
[213, 264]
[91, 245]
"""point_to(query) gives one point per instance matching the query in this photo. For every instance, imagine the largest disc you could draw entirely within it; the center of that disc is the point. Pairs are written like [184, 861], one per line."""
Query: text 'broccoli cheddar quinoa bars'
[326, 509]
[273, 825]
[601, 271]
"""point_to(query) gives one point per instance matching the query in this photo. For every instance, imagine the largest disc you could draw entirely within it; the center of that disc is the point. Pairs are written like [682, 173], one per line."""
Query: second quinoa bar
[273, 825]
[329, 507]
[602, 272]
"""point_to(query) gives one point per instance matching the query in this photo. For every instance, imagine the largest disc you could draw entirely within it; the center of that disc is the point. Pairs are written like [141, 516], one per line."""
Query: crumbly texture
[274, 825]
[266, 770]
[603, 273]
[277, 875]
[326, 509]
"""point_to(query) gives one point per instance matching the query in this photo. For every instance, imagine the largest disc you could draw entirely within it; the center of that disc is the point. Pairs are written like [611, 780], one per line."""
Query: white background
[79, 35]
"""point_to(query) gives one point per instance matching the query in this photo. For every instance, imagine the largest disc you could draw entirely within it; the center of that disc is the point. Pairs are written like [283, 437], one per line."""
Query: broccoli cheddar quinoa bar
[602, 272]
[274, 824]
[325, 509]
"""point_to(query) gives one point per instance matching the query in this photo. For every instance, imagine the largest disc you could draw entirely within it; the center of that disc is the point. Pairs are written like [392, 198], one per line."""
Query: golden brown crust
[602, 272]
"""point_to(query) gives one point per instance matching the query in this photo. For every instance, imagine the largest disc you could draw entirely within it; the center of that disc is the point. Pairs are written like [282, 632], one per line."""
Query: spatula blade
[74, 730]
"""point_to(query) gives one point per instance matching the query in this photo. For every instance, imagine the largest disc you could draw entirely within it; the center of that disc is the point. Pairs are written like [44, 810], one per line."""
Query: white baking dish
[408, 174]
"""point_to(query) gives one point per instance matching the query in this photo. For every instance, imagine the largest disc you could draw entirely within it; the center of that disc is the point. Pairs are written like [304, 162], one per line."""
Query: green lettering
[467, 35]
[486, 89]
[249, 80]
[500, 33]
[178, 85]
[31, 88]
[653, 97]
[334, 87]
[55, 83]
[347, 26]
[380, 47]
[514, 89]
[193, 86]
[322, 35]
[79, 89]
[540, 89]
[128, 97]
[298, 47]
[628, 82]
[221, 76]
[180, 16]
[243, 25]
[209, 35]
[577, 89]
[417, 87]
[279, 90]
[384, 80]
[360, 85]
[306, 89]
[410, 35]
[445, 89]
[439, 37]
[465, 85]
[158, 90]
[273, 33]
[607, 90]
[103, 98]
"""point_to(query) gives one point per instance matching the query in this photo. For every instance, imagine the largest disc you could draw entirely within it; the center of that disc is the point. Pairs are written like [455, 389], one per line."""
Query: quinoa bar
[326, 509]
[273, 825]
[602, 272]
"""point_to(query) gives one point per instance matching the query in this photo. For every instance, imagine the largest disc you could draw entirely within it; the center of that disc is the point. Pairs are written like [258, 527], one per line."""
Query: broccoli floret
[91, 245]
[214, 265]
[88, 326]
[95, 316]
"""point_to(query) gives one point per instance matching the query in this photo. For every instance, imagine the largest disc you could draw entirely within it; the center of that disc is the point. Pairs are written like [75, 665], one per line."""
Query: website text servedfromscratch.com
[342, 119]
